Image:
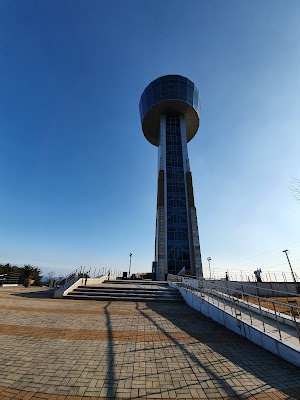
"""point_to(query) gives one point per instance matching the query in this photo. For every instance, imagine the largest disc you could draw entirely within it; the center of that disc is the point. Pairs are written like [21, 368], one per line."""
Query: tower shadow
[271, 370]
[110, 383]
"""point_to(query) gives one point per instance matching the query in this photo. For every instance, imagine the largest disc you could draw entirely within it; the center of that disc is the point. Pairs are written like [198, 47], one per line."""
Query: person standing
[257, 274]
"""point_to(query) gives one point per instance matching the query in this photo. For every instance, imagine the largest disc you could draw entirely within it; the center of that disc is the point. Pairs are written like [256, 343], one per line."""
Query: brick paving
[72, 350]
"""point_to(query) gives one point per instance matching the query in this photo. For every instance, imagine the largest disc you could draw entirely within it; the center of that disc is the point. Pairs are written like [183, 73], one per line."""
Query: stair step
[122, 294]
[113, 298]
[139, 282]
[127, 290]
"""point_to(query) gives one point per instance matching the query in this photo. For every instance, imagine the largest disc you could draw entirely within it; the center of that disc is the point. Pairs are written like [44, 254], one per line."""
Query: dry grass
[290, 301]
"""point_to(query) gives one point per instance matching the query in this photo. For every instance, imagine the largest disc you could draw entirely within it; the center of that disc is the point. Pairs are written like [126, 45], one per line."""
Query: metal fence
[93, 272]
[11, 278]
[250, 277]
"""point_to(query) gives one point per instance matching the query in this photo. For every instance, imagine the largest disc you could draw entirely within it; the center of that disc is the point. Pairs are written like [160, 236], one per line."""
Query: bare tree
[295, 188]
[50, 276]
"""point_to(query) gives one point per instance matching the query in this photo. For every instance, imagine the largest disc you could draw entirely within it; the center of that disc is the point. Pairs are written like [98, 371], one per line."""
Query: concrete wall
[10, 284]
[267, 341]
[75, 282]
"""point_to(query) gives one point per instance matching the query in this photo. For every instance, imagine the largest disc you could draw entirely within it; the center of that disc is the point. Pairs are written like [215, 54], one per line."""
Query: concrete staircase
[120, 290]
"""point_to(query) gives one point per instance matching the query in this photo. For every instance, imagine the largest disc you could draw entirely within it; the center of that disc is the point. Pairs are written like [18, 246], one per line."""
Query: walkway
[240, 309]
[58, 349]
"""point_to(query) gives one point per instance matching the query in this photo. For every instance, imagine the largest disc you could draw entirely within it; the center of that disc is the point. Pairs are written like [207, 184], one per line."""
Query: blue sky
[78, 179]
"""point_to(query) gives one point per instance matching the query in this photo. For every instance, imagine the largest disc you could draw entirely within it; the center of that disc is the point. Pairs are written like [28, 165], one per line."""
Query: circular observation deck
[169, 94]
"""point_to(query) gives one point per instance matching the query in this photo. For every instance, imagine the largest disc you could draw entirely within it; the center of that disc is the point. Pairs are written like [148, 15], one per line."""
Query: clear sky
[78, 179]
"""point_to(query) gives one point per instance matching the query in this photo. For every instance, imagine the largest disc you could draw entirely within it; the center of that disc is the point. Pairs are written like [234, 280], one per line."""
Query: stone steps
[126, 298]
[124, 294]
[126, 291]
[138, 282]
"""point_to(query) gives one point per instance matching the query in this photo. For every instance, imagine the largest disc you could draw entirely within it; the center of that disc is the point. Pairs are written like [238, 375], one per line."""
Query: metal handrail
[74, 273]
[270, 290]
[268, 276]
[96, 272]
[205, 289]
[257, 297]
[179, 278]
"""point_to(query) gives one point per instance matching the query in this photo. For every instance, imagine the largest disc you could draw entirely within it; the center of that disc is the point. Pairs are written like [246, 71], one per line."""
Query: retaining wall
[75, 282]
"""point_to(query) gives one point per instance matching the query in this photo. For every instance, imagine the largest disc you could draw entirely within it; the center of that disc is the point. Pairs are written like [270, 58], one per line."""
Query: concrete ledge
[74, 283]
[10, 285]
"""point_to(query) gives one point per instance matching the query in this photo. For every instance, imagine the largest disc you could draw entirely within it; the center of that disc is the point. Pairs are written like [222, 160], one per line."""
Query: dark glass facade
[178, 252]
[170, 87]
[170, 116]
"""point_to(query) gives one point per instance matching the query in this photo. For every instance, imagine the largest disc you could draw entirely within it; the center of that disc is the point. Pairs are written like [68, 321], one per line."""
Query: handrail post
[278, 325]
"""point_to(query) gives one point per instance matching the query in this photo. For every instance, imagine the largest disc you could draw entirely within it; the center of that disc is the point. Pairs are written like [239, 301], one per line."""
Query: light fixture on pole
[130, 255]
[286, 253]
[209, 260]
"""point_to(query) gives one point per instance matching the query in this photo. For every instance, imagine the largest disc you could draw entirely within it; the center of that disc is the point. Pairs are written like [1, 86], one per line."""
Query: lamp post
[209, 260]
[130, 255]
[286, 253]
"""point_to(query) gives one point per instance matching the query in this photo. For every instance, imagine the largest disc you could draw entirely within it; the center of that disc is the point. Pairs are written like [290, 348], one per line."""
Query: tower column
[169, 109]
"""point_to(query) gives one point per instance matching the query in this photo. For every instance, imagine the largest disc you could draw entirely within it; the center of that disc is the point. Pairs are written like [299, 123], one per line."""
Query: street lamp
[209, 260]
[286, 253]
[130, 255]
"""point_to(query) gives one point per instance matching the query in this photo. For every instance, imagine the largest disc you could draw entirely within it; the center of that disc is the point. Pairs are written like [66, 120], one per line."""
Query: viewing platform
[61, 349]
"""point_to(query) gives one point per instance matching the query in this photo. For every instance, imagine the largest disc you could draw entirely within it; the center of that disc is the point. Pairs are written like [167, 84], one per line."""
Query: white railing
[93, 272]
[240, 300]
[243, 276]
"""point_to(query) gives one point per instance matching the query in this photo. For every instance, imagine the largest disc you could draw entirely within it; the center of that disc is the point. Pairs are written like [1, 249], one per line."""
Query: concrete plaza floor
[71, 350]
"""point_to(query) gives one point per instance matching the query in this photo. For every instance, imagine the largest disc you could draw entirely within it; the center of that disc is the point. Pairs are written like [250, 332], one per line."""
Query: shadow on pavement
[110, 380]
[250, 358]
[41, 293]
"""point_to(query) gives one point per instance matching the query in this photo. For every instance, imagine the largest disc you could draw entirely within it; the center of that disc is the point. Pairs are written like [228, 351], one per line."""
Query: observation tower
[170, 116]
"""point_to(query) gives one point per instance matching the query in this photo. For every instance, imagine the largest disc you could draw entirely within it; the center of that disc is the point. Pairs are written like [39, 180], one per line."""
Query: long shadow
[251, 358]
[37, 294]
[231, 392]
[110, 383]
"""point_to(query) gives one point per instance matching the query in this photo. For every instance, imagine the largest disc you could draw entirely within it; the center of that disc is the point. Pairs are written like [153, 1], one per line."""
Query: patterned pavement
[72, 350]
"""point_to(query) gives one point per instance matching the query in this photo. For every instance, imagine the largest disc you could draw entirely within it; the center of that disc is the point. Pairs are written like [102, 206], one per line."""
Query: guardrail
[220, 294]
[244, 276]
[93, 272]
[11, 278]
[83, 272]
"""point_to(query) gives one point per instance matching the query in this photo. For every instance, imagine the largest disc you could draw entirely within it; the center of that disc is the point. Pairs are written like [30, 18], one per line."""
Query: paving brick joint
[72, 350]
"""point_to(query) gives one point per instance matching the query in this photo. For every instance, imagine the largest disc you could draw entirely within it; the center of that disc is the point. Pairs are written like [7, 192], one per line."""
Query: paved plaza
[71, 350]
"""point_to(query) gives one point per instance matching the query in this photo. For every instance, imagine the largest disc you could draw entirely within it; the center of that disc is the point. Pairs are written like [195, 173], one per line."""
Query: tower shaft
[170, 115]
[177, 241]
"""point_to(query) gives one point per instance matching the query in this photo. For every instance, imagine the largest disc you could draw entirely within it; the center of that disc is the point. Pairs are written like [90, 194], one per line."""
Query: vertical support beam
[195, 245]
[160, 228]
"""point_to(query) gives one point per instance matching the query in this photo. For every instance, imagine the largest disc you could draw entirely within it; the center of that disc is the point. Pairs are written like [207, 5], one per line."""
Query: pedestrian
[257, 274]
[226, 276]
[86, 277]
[108, 274]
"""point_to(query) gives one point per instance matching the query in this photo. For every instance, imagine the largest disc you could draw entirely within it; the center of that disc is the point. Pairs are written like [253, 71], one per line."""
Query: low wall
[4, 285]
[75, 282]
[269, 342]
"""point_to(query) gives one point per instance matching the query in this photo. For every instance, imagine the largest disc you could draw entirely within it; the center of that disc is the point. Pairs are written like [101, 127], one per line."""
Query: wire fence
[250, 277]
[83, 272]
